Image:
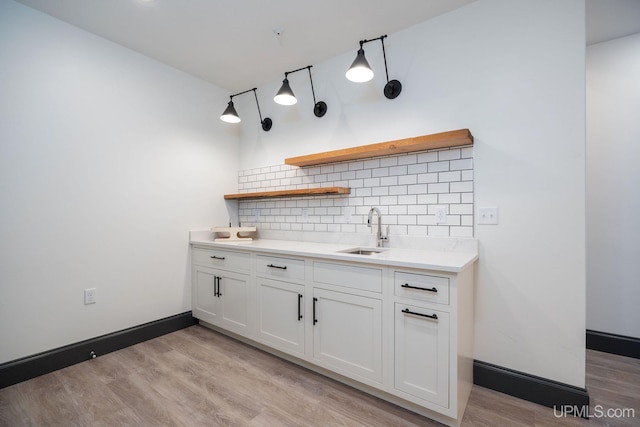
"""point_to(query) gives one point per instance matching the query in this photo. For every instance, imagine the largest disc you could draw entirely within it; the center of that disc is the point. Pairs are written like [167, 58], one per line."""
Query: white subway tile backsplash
[364, 173]
[438, 188]
[438, 167]
[407, 179]
[405, 187]
[407, 159]
[418, 168]
[448, 198]
[389, 180]
[380, 191]
[389, 161]
[398, 170]
[449, 176]
[456, 165]
[417, 189]
[428, 157]
[397, 190]
[427, 178]
[380, 172]
[449, 154]
[407, 200]
[427, 199]
[356, 165]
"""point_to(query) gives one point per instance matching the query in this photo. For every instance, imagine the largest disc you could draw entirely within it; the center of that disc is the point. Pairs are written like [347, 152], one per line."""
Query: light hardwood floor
[197, 377]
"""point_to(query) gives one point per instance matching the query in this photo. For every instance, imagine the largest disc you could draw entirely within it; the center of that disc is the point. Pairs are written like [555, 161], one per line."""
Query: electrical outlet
[256, 215]
[347, 216]
[90, 296]
[305, 214]
[488, 215]
[441, 214]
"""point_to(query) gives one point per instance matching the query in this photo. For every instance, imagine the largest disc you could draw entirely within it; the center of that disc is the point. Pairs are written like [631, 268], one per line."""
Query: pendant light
[230, 115]
[285, 95]
[360, 71]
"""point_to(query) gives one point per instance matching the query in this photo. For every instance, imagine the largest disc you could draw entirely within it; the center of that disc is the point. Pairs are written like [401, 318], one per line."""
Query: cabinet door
[422, 353]
[281, 315]
[221, 298]
[205, 303]
[348, 334]
[234, 291]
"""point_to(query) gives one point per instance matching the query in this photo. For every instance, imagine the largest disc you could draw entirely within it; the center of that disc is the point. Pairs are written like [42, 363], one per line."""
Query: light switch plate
[488, 215]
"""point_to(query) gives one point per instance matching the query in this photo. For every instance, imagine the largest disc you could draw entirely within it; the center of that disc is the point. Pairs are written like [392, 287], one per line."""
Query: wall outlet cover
[90, 296]
[441, 214]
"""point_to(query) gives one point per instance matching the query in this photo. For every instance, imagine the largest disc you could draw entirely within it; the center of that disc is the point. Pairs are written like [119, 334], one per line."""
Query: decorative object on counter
[232, 234]
[285, 95]
[230, 114]
[361, 72]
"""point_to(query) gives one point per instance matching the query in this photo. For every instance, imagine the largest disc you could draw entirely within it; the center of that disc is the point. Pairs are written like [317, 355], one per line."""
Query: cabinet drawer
[280, 268]
[422, 287]
[236, 261]
[350, 276]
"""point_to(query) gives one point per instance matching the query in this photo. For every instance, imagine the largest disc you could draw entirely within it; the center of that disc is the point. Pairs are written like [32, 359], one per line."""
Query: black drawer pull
[299, 312]
[217, 257]
[433, 316]
[277, 266]
[315, 300]
[406, 285]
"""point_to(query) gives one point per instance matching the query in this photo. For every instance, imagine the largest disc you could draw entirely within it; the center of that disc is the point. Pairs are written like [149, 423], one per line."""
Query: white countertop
[442, 260]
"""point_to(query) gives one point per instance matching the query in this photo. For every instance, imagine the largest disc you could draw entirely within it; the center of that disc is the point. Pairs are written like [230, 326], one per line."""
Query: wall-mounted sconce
[360, 71]
[231, 116]
[285, 95]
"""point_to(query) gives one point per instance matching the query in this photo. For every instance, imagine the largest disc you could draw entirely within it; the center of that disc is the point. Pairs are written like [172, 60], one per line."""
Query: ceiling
[221, 41]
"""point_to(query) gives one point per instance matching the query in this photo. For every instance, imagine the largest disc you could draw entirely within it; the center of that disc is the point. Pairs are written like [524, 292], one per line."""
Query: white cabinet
[281, 303]
[347, 334]
[421, 353]
[281, 315]
[402, 333]
[219, 296]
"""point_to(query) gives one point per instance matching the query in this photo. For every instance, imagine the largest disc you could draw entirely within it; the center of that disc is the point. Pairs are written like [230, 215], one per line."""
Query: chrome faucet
[379, 237]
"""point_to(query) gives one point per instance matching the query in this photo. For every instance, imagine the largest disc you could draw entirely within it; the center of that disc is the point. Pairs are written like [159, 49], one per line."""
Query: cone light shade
[285, 95]
[360, 71]
[230, 115]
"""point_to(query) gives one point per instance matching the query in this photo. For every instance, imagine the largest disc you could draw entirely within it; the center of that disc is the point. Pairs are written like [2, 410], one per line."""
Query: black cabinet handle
[217, 286]
[299, 313]
[433, 316]
[216, 257]
[406, 285]
[277, 266]
[315, 300]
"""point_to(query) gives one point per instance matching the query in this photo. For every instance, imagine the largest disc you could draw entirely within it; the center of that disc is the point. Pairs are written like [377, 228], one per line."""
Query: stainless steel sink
[362, 251]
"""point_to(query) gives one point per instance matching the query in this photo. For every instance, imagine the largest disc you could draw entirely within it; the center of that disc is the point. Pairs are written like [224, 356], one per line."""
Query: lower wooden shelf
[290, 193]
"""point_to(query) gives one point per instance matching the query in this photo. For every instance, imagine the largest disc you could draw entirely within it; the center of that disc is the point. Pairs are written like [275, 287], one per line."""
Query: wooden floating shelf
[290, 193]
[454, 138]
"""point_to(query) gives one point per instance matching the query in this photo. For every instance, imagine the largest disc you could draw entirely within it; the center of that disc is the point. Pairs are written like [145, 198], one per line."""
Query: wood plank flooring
[197, 377]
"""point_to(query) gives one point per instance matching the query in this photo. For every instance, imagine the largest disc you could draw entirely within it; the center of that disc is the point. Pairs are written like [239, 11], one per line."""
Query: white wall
[513, 73]
[107, 159]
[613, 198]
